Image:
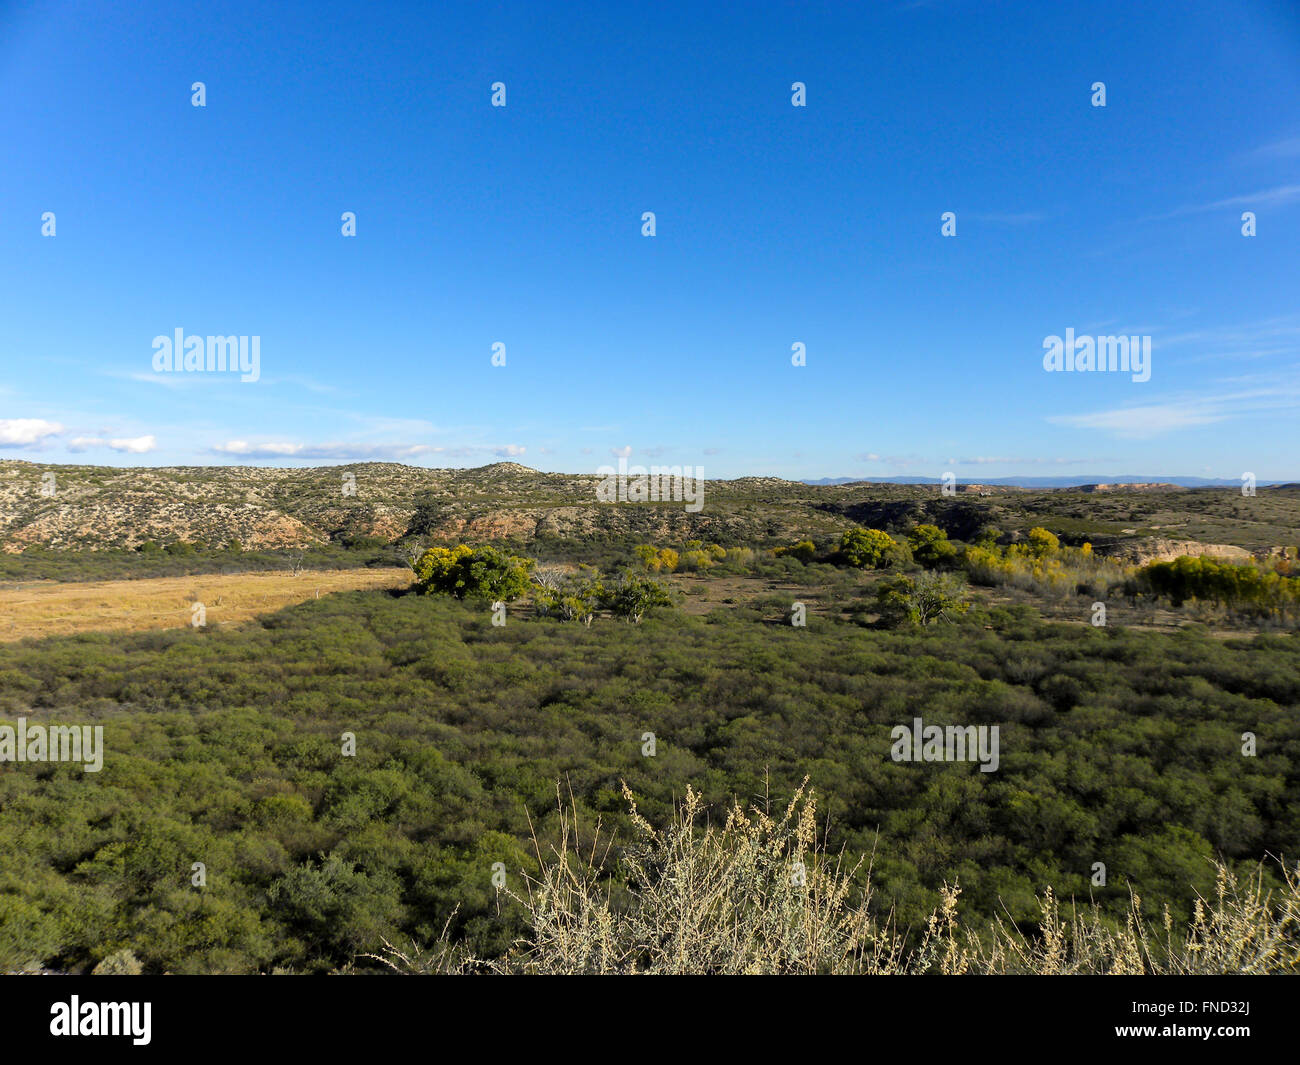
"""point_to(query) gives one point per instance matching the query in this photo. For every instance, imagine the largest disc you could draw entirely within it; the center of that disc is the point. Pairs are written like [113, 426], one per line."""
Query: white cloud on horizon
[358, 452]
[983, 460]
[138, 445]
[26, 432]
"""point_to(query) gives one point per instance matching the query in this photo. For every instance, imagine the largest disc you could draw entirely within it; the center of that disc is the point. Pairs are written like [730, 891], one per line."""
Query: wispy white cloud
[505, 451]
[298, 381]
[1286, 148]
[359, 451]
[267, 450]
[1155, 419]
[985, 460]
[1023, 218]
[202, 380]
[900, 461]
[1139, 422]
[137, 445]
[167, 380]
[1278, 196]
[1267, 338]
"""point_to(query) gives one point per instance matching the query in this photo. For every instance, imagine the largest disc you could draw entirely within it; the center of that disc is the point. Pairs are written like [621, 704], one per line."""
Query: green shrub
[929, 545]
[868, 548]
[476, 573]
[803, 550]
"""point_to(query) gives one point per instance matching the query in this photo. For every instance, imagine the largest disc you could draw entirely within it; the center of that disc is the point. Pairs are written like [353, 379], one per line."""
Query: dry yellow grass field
[54, 608]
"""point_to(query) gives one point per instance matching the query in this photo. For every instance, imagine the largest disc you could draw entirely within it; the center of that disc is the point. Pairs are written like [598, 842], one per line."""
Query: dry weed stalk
[761, 895]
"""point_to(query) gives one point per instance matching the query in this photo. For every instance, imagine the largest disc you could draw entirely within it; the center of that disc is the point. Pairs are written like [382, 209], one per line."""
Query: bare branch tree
[549, 577]
[412, 552]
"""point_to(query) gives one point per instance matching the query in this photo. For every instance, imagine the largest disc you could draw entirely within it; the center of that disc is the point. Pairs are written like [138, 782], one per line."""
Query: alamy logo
[195, 354]
[102, 1018]
[950, 743]
[1105, 354]
[57, 743]
[658, 484]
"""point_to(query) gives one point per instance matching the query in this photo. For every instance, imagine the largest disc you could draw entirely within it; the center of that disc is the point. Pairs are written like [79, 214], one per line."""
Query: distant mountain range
[1052, 482]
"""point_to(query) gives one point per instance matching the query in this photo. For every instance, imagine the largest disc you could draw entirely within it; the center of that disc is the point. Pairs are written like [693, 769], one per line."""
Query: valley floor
[58, 608]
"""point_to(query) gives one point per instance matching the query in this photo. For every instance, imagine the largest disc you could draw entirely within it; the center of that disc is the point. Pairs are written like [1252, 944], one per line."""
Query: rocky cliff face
[1143, 552]
[1136, 486]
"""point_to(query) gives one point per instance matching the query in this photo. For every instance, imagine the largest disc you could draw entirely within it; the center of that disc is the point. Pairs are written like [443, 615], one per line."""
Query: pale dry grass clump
[760, 894]
[1245, 928]
[61, 608]
[754, 895]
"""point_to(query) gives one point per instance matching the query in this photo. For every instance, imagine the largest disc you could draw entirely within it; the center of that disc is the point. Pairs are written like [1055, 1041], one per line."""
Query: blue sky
[774, 225]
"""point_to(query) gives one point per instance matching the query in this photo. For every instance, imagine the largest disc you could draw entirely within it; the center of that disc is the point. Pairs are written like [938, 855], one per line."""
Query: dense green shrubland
[38, 563]
[224, 747]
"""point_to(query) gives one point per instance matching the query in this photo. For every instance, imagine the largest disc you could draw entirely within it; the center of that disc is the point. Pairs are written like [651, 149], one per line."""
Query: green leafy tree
[656, 560]
[701, 558]
[923, 600]
[633, 595]
[867, 548]
[1042, 542]
[429, 515]
[930, 545]
[477, 573]
[1245, 588]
